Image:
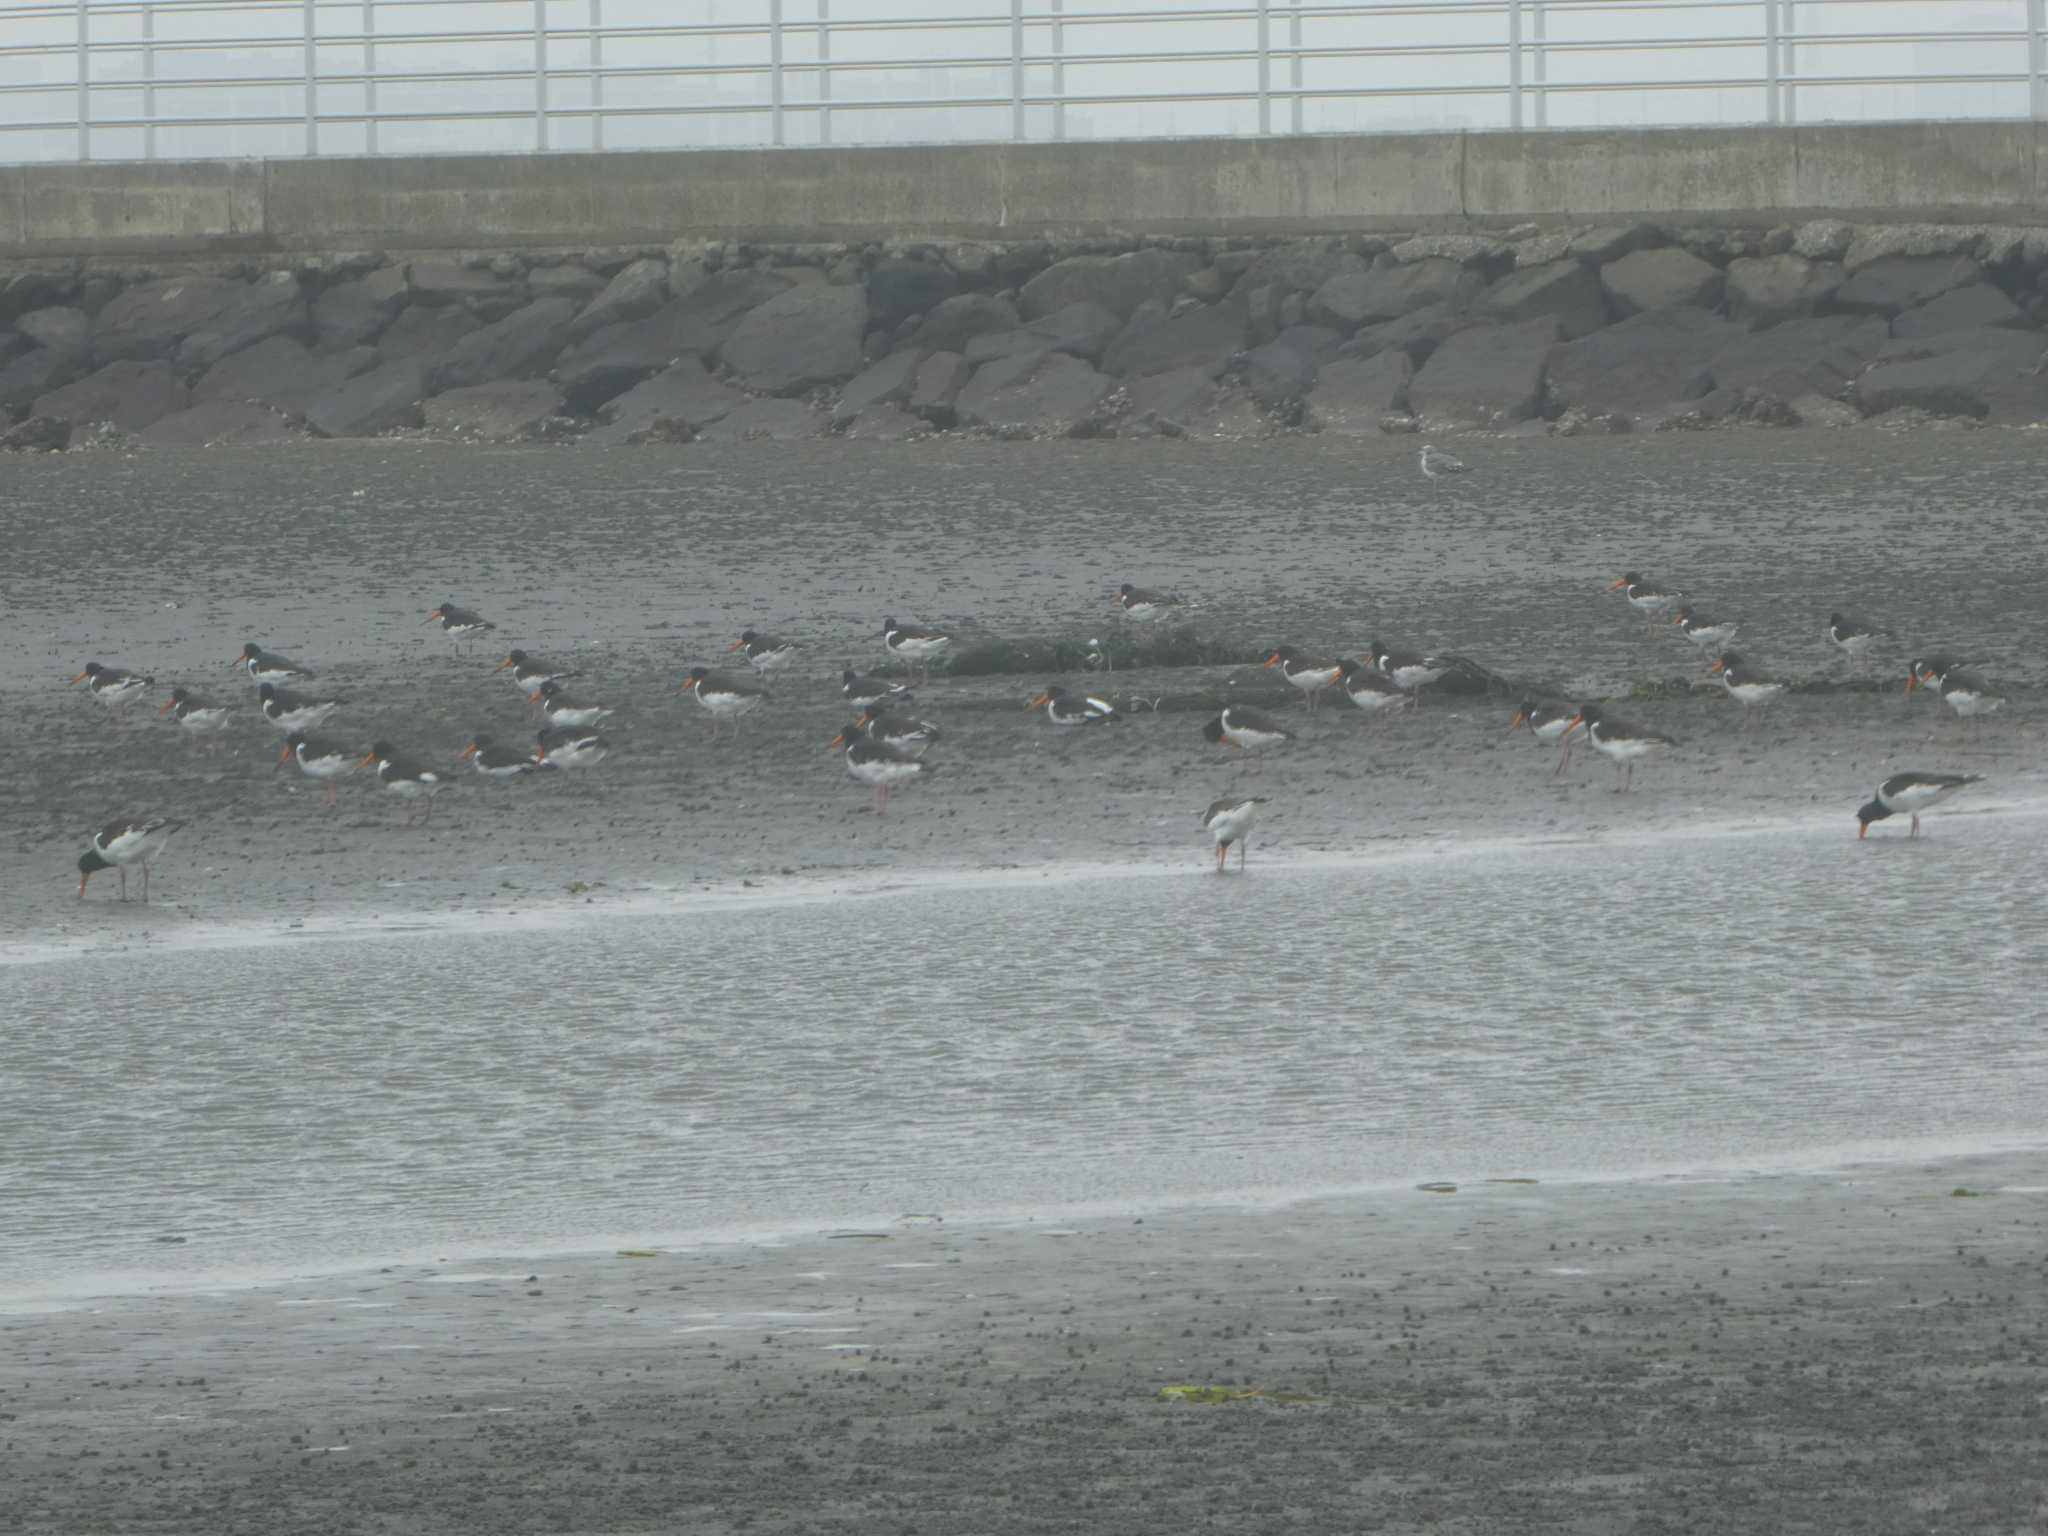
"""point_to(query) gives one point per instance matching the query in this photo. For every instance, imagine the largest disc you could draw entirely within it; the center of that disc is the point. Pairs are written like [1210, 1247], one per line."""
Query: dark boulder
[957, 321]
[21, 292]
[129, 394]
[799, 340]
[899, 288]
[148, 320]
[1354, 299]
[504, 411]
[1998, 374]
[1208, 336]
[273, 305]
[353, 313]
[1417, 333]
[1353, 395]
[1300, 266]
[1118, 284]
[1891, 284]
[215, 423]
[64, 331]
[889, 381]
[638, 290]
[1640, 365]
[1565, 290]
[1962, 309]
[39, 434]
[489, 294]
[1083, 330]
[773, 420]
[282, 373]
[564, 280]
[1816, 356]
[519, 346]
[1039, 394]
[1668, 278]
[678, 402]
[34, 373]
[884, 423]
[1277, 375]
[382, 400]
[693, 326]
[1768, 290]
[421, 331]
[940, 378]
[1485, 375]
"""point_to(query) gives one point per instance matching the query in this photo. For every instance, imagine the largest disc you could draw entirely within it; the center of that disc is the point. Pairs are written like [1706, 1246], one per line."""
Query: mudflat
[633, 566]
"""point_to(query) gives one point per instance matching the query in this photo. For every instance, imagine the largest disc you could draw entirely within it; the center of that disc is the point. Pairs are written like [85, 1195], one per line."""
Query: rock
[1820, 411]
[1299, 266]
[1277, 375]
[1418, 333]
[1346, 302]
[1541, 249]
[1205, 286]
[1731, 408]
[1988, 373]
[799, 339]
[765, 420]
[1042, 394]
[1822, 239]
[957, 321]
[21, 292]
[1118, 284]
[128, 394]
[280, 372]
[1352, 394]
[63, 331]
[1640, 364]
[422, 332]
[39, 434]
[503, 411]
[886, 382]
[1892, 284]
[1814, 356]
[1872, 243]
[685, 396]
[1311, 341]
[1293, 311]
[350, 314]
[1485, 375]
[1084, 330]
[271, 306]
[385, 398]
[519, 346]
[148, 320]
[1668, 278]
[568, 281]
[1961, 309]
[1765, 290]
[612, 360]
[32, 374]
[212, 423]
[1611, 242]
[438, 284]
[14, 345]
[1186, 402]
[1262, 311]
[884, 423]
[1208, 336]
[898, 289]
[1565, 290]
[1469, 250]
[972, 263]
[940, 378]
[1577, 423]
[640, 289]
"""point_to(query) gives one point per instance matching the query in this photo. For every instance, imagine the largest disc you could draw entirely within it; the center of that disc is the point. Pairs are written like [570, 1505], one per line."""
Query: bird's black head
[1590, 713]
[748, 636]
[550, 688]
[266, 691]
[179, 695]
[383, 751]
[251, 649]
[1213, 731]
[887, 625]
[1631, 578]
[93, 669]
[517, 658]
[296, 740]
[1836, 621]
[1874, 810]
[1053, 692]
[695, 674]
[848, 676]
[480, 741]
[89, 863]
[1125, 590]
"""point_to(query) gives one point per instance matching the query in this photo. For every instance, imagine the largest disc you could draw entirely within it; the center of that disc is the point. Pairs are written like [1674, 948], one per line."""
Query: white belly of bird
[921, 649]
[1713, 634]
[1412, 678]
[1252, 740]
[717, 703]
[1554, 731]
[301, 719]
[413, 789]
[1964, 703]
[579, 755]
[1856, 645]
[1626, 749]
[1750, 695]
[1910, 802]
[325, 767]
[882, 770]
[1372, 701]
[768, 661]
[135, 847]
[582, 714]
[1309, 682]
[1228, 826]
[122, 692]
[203, 720]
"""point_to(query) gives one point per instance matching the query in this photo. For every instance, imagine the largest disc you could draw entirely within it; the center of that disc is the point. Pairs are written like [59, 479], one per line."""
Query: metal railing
[146, 79]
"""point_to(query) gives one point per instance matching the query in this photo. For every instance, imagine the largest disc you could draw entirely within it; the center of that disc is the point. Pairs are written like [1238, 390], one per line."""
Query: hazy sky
[1437, 65]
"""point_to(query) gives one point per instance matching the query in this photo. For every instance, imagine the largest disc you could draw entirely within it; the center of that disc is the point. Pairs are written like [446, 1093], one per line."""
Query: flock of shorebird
[885, 746]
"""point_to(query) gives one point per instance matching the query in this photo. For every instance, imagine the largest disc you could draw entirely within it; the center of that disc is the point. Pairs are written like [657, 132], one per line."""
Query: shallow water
[1119, 1042]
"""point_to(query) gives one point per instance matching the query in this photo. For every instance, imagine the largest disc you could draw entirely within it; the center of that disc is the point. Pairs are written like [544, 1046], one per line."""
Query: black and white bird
[1969, 695]
[878, 764]
[1710, 635]
[530, 671]
[1310, 676]
[459, 624]
[765, 653]
[115, 687]
[1408, 670]
[1230, 820]
[724, 698]
[1746, 685]
[1647, 598]
[497, 762]
[572, 747]
[290, 711]
[1372, 690]
[1930, 671]
[269, 667]
[1552, 724]
[561, 709]
[197, 714]
[1908, 794]
[914, 643]
[1247, 729]
[325, 762]
[1853, 637]
[407, 778]
[1436, 462]
[1145, 607]
[1069, 709]
[860, 691]
[906, 733]
[124, 841]
[1619, 741]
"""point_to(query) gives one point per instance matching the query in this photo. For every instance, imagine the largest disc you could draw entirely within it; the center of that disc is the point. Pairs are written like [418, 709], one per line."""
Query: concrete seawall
[1995, 172]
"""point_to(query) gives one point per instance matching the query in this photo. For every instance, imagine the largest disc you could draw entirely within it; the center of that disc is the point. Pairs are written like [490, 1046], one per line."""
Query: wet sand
[637, 565]
[1858, 1351]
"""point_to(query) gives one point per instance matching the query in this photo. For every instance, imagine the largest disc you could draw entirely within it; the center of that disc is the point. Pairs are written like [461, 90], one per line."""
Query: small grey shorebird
[1436, 462]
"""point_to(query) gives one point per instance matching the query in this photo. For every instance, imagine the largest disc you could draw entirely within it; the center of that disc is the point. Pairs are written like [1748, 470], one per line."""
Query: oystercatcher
[1908, 794]
[1969, 695]
[1647, 599]
[1436, 462]
[1408, 671]
[1311, 677]
[726, 698]
[406, 778]
[123, 841]
[1372, 691]
[877, 763]
[318, 758]
[1551, 725]
[269, 667]
[764, 652]
[1619, 740]
[201, 716]
[908, 735]
[496, 762]
[1230, 820]
[290, 711]
[1931, 671]
[572, 747]
[529, 672]
[1249, 730]
[1853, 637]
[1065, 709]
[914, 643]
[459, 624]
[561, 709]
[1710, 635]
[1746, 685]
[1145, 607]
[115, 687]
[860, 691]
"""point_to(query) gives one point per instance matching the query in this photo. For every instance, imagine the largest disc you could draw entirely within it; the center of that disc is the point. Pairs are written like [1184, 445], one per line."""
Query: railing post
[1515, 63]
[370, 76]
[1017, 70]
[824, 71]
[1059, 71]
[540, 75]
[149, 82]
[1265, 67]
[2037, 37]
[312, 79]
[84, 83]
[1540, 61]
[1294, 71]
[775, 72]
[1771, 112]
[597, 74]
